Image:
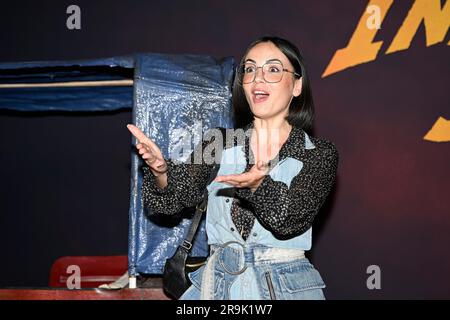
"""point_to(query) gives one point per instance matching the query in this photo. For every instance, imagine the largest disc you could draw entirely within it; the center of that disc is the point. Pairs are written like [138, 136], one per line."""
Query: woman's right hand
[149, 151]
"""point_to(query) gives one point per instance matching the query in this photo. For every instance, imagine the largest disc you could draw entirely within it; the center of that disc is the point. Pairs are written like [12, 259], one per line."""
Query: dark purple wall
[390, 206]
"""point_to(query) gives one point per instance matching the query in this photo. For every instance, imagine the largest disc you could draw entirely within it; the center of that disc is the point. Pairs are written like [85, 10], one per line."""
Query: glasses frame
[241, 74]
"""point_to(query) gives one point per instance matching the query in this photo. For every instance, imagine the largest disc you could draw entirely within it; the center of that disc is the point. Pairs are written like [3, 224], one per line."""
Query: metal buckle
[197, 207]
[187, 245]
[235, 273]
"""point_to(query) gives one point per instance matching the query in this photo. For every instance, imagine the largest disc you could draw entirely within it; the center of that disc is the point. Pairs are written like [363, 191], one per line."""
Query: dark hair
[301, 109]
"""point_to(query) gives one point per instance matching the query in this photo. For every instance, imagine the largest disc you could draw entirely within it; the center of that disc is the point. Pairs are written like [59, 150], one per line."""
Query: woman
[268, 189]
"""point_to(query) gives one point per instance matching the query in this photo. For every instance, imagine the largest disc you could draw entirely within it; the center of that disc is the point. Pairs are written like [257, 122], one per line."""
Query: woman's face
[270, 100]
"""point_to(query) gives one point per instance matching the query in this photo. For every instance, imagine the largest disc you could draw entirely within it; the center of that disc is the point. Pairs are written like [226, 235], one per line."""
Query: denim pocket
[300, 281]
[219, 285]
[300, 278]
[196, 277]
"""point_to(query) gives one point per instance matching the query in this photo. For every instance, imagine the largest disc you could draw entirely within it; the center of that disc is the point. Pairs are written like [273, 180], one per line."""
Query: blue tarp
[64, 98]
[170, 92]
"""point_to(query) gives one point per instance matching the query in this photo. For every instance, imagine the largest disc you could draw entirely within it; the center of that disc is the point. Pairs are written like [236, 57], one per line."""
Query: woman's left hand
[251, 179]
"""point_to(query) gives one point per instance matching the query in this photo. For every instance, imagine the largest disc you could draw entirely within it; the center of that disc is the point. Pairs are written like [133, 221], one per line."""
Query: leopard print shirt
[285, 211]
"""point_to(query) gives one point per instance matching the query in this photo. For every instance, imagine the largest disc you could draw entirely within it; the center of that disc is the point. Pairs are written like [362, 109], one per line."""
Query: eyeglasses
[272, 72]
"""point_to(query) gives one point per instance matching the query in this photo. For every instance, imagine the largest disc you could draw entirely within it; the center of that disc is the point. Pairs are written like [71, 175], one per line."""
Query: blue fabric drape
[65, 98]
[172, 92]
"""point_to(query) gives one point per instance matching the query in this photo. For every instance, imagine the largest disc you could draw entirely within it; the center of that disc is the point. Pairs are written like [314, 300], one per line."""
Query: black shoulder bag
[176, 269]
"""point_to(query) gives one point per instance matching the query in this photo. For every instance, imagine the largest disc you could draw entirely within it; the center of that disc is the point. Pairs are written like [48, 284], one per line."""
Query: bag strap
[199, 210]
[202, 205]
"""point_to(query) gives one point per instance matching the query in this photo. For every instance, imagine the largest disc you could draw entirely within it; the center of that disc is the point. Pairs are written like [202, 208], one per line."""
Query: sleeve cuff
[150, 179]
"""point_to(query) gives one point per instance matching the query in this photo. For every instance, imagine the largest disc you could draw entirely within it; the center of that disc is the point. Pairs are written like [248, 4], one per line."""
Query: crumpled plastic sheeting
[67, 98]
[172, 92]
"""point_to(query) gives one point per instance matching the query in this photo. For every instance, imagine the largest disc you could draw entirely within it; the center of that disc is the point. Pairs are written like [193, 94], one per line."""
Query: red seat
[94, 270]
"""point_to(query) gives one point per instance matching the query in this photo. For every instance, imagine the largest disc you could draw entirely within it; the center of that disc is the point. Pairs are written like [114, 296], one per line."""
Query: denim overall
[262, 266]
